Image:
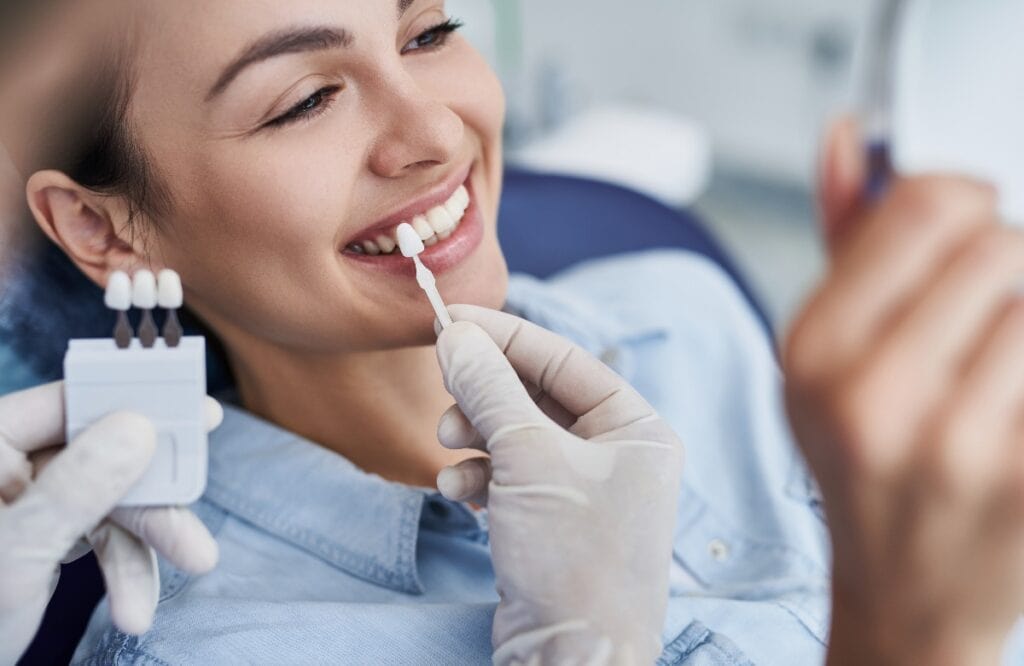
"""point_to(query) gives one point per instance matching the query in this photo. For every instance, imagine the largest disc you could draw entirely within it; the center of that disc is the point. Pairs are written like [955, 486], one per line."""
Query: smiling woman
[273, 155]
[267, 152]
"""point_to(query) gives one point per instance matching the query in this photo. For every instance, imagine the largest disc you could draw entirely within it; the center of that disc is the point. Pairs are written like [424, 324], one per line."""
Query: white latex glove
[51, 498]
[581, 487]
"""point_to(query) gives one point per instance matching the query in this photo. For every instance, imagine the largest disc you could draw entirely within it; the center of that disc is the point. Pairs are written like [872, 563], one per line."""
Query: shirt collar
[316, 500]
[359, 522]
[559, 306]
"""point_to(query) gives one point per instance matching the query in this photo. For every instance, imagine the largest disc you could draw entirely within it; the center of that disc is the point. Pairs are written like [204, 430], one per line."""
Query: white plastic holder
[165, 384]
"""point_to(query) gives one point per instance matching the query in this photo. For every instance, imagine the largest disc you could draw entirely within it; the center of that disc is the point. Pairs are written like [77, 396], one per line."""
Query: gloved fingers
[131, 576]
[24, 595]
[455, 431]
[615, 420]
[80, 548]
[569, 375]
[551, 407]
[34, 418]
[15, 472]
[175, 532]
[214, 414]
[83, 482]
[483, 383]
[466, 481]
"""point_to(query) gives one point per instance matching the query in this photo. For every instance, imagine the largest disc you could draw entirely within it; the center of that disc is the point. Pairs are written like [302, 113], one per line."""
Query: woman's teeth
[437, 224]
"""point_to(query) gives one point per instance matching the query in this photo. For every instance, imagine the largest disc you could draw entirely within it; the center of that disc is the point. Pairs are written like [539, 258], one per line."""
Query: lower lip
[440, 257]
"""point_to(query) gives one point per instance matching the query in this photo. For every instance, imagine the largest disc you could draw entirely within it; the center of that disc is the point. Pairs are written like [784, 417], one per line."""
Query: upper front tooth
[422, 227]
[440, 219]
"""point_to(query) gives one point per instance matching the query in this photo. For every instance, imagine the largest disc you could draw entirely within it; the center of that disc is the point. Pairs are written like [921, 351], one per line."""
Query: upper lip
[435, 195]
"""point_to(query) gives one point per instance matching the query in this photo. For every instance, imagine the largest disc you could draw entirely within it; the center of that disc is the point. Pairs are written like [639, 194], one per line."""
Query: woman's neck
[378, 409]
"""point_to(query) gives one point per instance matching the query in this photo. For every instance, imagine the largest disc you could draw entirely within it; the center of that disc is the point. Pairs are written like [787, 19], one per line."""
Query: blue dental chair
[532, 206]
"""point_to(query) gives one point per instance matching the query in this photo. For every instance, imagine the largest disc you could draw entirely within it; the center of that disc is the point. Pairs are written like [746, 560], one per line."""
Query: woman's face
[292, 133]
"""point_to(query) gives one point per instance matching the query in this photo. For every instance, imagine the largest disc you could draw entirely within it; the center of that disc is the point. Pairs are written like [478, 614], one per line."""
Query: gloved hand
[51, 498]
[581, 487]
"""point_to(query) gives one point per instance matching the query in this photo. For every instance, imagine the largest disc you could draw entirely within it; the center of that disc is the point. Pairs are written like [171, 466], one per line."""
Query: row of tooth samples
[145, 292]
[437, 224]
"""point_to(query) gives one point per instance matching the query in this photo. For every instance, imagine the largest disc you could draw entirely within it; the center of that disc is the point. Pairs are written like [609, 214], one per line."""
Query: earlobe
[69, 215]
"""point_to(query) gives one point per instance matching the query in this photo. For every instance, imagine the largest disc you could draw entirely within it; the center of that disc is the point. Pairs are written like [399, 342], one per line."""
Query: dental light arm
[581, 484]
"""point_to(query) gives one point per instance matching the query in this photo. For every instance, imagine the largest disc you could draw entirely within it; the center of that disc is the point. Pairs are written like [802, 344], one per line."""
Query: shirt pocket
[729, 563]
[699, 646]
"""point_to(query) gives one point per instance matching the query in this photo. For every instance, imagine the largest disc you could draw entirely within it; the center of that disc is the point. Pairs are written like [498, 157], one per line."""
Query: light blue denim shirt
[321, 562]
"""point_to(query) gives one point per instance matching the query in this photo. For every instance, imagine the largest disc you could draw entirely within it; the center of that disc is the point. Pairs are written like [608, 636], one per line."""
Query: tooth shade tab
[170, 295]
[118, 295]
[144, 290]
[409, 240]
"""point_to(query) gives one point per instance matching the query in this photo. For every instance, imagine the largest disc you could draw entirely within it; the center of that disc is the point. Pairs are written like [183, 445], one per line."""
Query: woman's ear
[80, 223]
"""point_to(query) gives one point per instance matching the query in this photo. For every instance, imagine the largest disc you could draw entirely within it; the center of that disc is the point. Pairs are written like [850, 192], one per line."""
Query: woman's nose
[416, 130]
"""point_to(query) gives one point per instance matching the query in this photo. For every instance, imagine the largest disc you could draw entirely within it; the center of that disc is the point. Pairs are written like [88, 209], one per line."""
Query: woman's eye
[307, 108]
[434, 37]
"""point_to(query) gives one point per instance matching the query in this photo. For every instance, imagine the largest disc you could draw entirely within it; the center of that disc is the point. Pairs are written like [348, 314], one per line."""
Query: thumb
[483, 383]
[841, 180]
[83, 482]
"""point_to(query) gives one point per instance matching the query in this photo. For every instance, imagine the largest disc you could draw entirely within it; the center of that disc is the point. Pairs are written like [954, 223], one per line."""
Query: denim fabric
[323, 563]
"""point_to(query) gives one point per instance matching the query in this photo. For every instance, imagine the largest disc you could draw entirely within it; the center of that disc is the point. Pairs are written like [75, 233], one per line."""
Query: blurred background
[714, 105]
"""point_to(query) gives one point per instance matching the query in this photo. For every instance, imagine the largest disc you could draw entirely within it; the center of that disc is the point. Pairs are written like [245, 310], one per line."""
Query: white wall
[761, 75]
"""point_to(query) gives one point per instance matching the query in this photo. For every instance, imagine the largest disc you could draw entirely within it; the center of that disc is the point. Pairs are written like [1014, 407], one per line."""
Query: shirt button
[718, 550]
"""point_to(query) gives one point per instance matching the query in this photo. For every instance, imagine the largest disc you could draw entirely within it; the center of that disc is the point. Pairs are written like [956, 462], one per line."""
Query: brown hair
[109, 159]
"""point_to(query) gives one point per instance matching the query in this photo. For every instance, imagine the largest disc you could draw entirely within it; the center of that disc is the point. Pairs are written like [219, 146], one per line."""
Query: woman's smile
[446, 218]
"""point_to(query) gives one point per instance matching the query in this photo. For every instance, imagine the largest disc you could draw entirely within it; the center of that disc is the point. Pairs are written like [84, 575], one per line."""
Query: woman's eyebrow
[292, 40]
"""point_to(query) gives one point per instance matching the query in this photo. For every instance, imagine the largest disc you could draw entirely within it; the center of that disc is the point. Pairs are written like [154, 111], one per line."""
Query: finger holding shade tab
[144, 298]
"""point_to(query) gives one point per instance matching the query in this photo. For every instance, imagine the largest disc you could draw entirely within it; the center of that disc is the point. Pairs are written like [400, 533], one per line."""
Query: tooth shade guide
[172, 331]
[118, 294]
[409, 240]
[170, 294]
[123, 332]
[412, 245]
[118, 297]
[144, 290]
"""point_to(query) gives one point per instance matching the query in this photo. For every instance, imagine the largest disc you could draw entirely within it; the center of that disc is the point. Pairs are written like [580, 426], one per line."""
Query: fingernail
[448, 430]
[449, 483]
